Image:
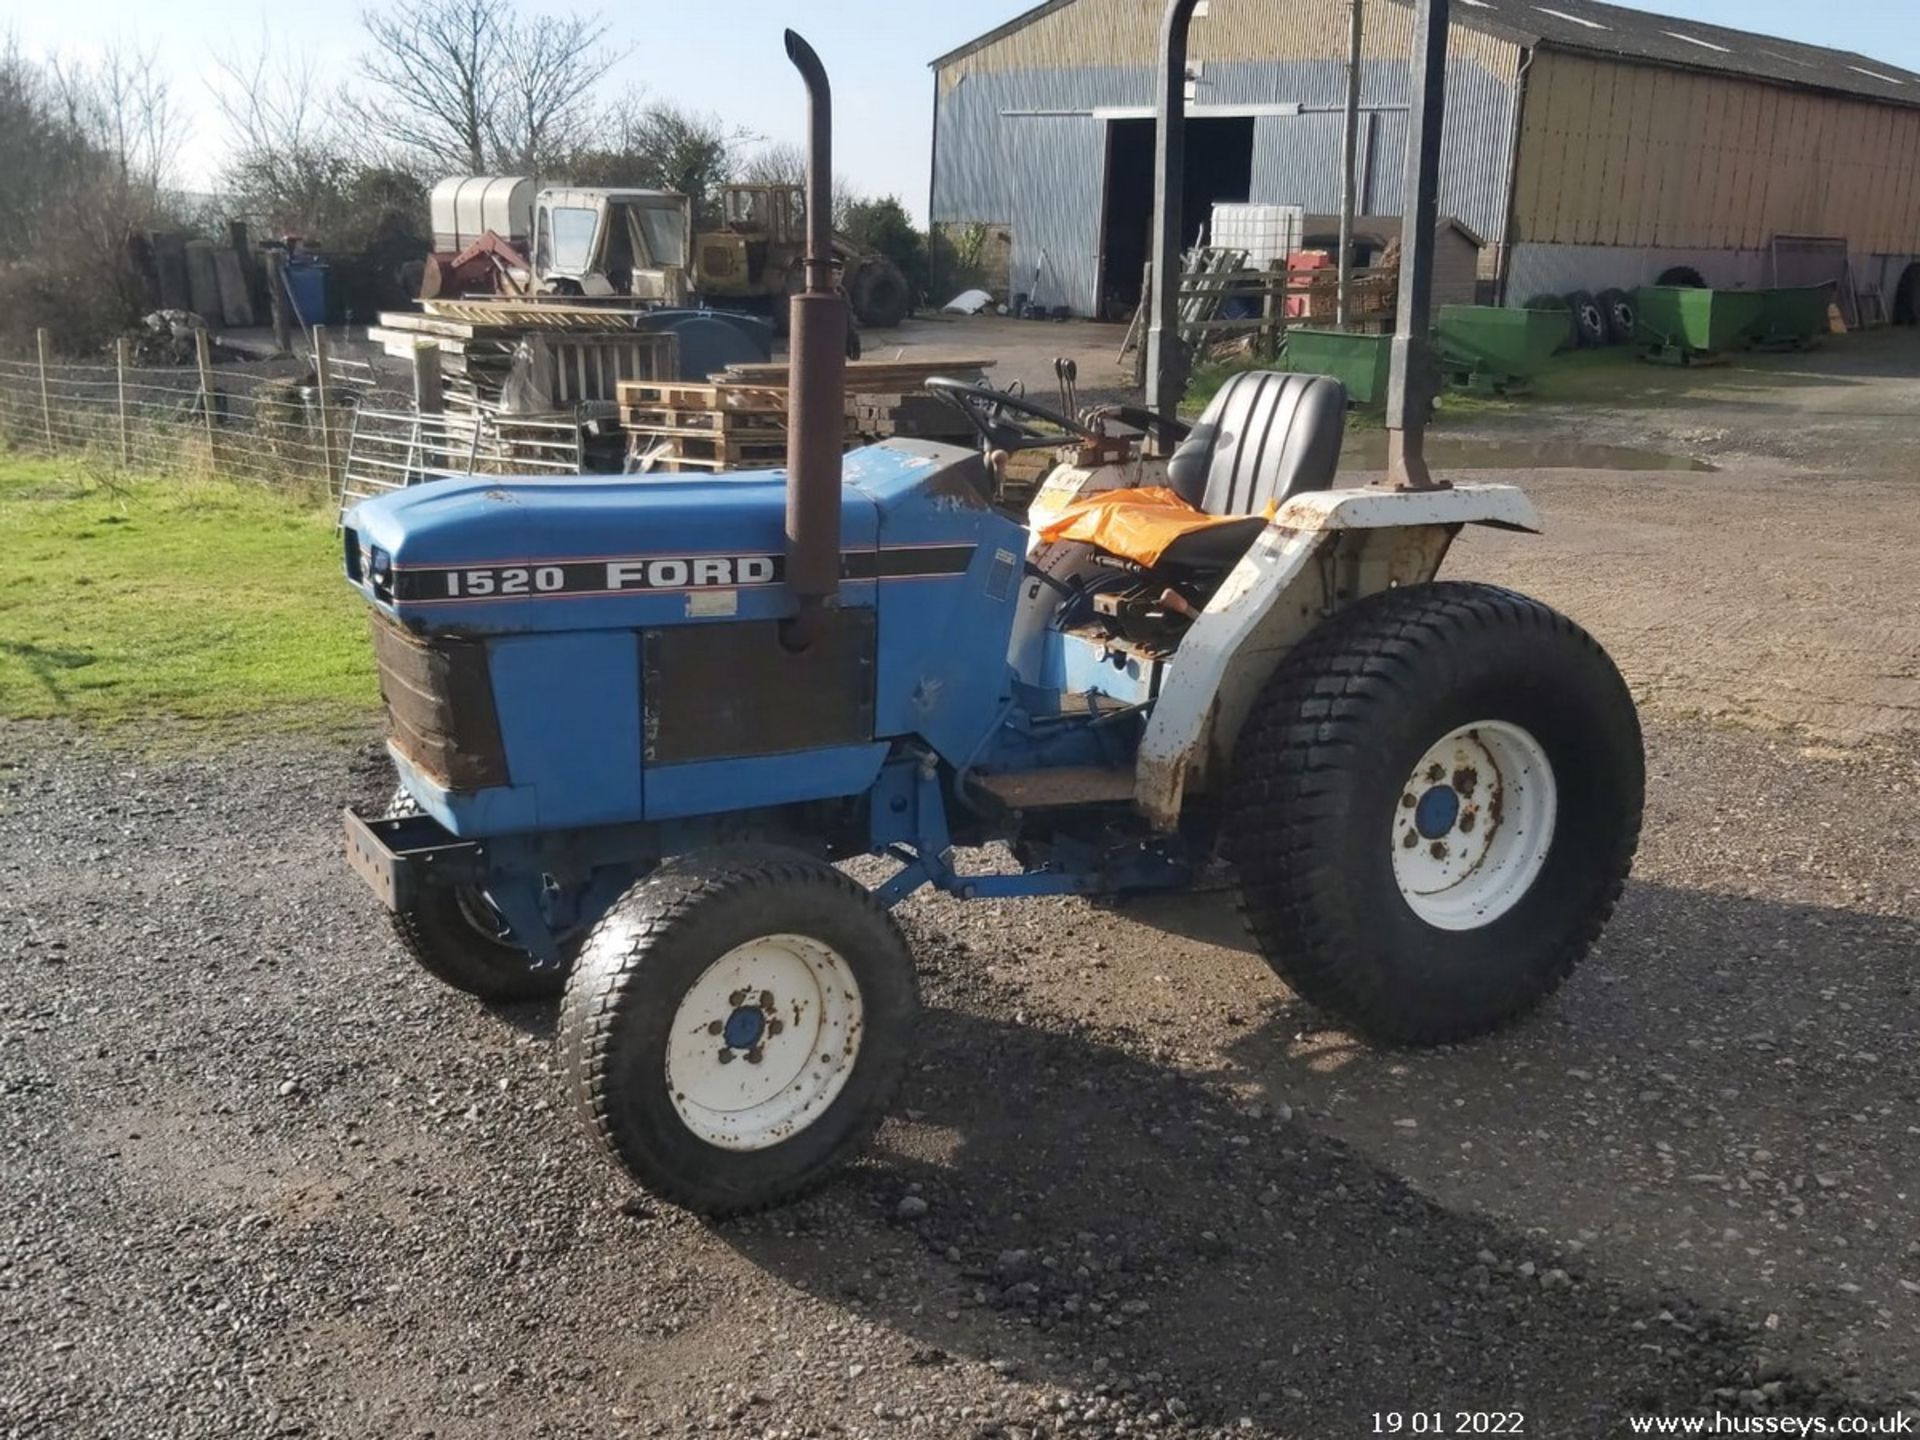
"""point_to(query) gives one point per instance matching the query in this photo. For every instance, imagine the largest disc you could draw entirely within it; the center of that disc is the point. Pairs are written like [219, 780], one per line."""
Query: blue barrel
[307, 281]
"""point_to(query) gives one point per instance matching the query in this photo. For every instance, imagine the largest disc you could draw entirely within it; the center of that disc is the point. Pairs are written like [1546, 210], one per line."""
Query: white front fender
[1324, 550]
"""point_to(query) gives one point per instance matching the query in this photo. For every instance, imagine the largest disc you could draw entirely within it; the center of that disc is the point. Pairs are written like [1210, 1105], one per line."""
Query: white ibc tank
[1266, 232]
[465, 207]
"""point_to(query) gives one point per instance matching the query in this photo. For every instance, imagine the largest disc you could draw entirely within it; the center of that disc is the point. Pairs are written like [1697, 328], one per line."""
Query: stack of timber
[738, 420]
[527, 357]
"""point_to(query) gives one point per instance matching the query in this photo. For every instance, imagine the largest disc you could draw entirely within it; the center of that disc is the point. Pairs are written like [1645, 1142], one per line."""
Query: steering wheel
[989, 411]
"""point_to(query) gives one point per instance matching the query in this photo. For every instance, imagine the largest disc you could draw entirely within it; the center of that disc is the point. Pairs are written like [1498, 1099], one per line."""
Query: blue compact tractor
[638, 720]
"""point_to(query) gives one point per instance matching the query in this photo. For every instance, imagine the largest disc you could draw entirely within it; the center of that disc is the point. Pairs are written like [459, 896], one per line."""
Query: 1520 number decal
[515, 580]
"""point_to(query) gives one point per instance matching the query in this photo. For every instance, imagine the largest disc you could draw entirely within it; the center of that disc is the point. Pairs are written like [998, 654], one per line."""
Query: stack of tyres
[1606, 318]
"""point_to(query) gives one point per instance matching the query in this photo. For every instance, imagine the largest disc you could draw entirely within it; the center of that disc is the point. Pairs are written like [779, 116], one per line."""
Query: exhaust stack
[816, 376]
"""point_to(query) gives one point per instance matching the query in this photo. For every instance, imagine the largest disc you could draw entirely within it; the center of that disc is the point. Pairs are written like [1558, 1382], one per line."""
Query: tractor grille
[439, 700]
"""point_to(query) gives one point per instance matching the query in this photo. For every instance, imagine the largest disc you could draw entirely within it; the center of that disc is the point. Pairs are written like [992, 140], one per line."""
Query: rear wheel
[1436, 803]
[737, 1025]
[880, 297]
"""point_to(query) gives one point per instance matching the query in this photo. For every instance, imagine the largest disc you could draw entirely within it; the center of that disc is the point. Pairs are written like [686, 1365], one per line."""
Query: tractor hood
[503, 555]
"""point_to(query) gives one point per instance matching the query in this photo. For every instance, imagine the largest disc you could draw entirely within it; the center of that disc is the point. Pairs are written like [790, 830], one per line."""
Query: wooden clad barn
[1590, 145]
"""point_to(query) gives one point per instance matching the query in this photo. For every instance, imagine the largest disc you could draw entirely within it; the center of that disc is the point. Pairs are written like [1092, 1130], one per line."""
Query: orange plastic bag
[1136, 525]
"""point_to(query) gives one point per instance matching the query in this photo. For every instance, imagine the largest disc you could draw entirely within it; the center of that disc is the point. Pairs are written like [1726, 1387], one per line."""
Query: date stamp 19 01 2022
[1449, 1422]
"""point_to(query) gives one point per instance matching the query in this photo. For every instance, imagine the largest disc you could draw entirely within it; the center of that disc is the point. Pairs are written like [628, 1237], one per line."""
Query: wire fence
[344, 430]
[286, 432]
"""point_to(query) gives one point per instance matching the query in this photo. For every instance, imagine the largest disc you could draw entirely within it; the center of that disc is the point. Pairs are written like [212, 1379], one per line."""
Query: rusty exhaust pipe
[816, 377]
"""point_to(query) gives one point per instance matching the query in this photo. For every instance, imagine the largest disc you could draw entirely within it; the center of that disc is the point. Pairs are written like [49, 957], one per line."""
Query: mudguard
[1324, 549]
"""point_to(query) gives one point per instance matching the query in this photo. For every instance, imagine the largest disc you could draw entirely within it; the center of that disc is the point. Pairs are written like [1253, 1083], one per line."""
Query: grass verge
[205, 602]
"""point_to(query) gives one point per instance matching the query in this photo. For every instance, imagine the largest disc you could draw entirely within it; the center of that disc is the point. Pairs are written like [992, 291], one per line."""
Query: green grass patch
[196, 601]
[1209, 376]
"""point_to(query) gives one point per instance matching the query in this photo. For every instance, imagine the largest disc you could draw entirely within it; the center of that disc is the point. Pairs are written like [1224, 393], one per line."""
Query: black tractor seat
[1266, 437]
[1218, 547]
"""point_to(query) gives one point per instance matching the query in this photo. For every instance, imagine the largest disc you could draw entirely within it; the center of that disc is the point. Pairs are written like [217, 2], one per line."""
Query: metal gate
[389, 449]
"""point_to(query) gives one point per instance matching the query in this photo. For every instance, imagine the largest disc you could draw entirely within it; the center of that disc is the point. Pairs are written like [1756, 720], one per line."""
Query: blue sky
[876, 50]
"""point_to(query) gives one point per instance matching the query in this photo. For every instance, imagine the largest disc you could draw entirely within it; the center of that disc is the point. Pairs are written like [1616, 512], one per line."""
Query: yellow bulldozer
[755, 257]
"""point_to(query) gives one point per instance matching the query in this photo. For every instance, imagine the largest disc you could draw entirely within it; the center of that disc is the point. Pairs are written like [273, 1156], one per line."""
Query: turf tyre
[1320, 767]
[653, 948]
[456, 936]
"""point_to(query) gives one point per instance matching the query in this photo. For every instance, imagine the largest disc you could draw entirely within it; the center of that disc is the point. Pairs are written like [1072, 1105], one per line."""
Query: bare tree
[45, 155]
[786, 164]
[290, 150]
[88, 150]
[543, 111]
[470, 82]
[661, 146]
[122, 105]
[437, 62]
[299, 165]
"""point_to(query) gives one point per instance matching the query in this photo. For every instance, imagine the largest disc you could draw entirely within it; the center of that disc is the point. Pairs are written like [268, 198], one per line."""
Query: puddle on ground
[1367, 450]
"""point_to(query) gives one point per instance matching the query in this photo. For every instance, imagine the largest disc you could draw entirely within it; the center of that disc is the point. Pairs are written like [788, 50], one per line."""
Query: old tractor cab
[613, 242]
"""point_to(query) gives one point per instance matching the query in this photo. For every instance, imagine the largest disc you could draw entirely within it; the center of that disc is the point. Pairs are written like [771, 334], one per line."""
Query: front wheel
[737, 1025]
[1436, 803]
[457, 936]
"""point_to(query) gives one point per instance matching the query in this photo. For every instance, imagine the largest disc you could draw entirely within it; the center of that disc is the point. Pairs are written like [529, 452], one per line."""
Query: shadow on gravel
[1891, 354]
[1106, 1221]
[538, 1018]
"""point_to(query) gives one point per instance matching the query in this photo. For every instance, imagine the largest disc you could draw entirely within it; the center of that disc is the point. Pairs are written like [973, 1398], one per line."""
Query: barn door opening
[1219, 171]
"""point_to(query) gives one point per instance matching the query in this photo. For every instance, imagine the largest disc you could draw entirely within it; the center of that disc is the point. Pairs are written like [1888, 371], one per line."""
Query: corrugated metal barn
[1591, 145]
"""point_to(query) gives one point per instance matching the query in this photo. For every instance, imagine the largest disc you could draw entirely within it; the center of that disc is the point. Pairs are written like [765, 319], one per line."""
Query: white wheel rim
[1473, 824]
[764, 1041]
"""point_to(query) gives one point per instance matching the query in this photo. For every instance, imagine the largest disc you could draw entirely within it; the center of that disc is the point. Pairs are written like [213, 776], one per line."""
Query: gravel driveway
[260, 1177]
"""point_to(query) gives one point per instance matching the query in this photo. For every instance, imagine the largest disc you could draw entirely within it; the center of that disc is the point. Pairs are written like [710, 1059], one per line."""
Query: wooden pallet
[743, 424]
[650, 395]
[693, 430]
[706, 451]
[882, 377]
[739, 420]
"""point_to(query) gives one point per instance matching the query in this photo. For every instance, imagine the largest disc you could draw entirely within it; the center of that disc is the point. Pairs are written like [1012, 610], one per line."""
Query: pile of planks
[738, 419]
[525, 357]
[918, 415]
